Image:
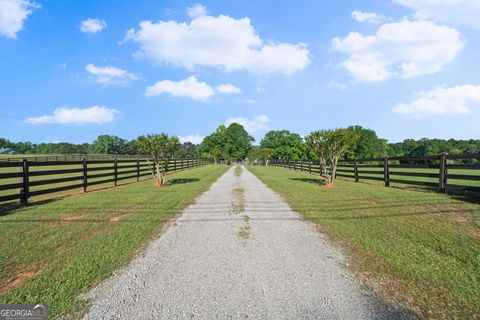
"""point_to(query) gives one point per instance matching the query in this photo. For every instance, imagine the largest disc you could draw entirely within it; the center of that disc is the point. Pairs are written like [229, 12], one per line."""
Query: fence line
[17, 178]
[70, 157]
[442, 172]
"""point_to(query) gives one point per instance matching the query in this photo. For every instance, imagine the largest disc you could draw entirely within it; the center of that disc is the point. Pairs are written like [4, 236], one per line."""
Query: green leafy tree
[212, 145]
[368, 145]
[160, 148]
[330, 145]
[283, 145]
[237, 142]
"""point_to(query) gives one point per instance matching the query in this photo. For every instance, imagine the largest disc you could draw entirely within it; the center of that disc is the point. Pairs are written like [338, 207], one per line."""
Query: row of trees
[104, 144]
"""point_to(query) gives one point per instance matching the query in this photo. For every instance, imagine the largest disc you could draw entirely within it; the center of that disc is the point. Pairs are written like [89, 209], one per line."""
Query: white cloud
[13, 14]
[406, 49]
[257, 123]
[197, 11]
[227, 89]
[92, 25]
[190, 88]
[369, 17]
[65, 115]
[334, 84]
[441, 101]
[195, 139]
[109, 75]
[462, 12]
[223, 42]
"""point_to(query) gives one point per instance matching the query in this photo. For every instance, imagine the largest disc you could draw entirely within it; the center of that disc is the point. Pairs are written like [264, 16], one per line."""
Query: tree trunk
[158, 180]
[266, 163]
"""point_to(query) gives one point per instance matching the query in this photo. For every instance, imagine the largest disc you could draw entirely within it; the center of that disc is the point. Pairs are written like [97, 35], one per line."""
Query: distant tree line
[104, 144]
[233, 143]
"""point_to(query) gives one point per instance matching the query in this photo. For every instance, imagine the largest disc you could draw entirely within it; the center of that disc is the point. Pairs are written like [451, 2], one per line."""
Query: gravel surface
[239, 252]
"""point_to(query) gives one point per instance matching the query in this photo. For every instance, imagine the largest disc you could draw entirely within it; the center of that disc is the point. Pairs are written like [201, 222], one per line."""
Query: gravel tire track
[201, 268]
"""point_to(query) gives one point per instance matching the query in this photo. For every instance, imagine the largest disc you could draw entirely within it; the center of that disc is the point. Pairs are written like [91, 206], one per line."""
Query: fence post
[85, 173]
[138, 169]
[442, 183]
[386, 172]
[310, 167]
[25, 188]
[115, 172]
[355, 171]
[174, 165]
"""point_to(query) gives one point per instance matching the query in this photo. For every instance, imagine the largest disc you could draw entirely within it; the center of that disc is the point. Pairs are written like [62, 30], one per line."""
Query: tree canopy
[160, 148]
[227, 143]
[282, 145]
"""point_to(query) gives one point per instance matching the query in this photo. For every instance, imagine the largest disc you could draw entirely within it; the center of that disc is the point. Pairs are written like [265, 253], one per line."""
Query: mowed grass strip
[50, 253]
[422, 247]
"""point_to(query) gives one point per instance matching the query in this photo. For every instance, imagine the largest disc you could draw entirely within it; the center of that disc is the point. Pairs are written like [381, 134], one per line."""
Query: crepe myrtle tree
[329, 146]
[159, 148]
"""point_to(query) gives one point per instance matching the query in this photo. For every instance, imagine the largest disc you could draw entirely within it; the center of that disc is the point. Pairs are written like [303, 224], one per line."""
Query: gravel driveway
[239, 252]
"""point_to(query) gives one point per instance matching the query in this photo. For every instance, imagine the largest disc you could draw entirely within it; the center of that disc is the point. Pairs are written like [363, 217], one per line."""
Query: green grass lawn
[52, 252]
[422, 247]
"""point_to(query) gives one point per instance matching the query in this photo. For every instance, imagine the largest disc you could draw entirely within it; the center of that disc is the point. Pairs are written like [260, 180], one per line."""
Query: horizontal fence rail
[69, 157]
[455, 173]
[21, 180]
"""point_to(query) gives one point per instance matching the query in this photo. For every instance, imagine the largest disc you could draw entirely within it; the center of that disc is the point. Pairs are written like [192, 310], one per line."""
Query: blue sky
[71, 70]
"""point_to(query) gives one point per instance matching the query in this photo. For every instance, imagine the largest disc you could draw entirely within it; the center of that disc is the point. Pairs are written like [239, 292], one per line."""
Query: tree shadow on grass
[310, 180]
[181, 181]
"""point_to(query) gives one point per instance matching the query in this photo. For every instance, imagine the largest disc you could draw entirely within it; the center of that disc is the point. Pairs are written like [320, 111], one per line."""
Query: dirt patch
[19, 278]
[69, 218]
[124, 212]
[244, 232]
[238, 171]
[460, 219]
[238, 200]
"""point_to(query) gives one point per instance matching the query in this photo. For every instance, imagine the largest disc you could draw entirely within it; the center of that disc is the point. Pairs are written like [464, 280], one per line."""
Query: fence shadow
[309, 180]
[8, 208]
[182, 181]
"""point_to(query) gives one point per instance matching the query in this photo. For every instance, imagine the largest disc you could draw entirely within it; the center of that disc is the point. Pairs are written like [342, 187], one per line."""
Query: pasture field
[422, 247]
[53, 251]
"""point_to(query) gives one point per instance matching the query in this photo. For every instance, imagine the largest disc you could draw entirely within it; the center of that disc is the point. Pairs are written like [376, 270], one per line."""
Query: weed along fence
[446, 173]
[22, 180]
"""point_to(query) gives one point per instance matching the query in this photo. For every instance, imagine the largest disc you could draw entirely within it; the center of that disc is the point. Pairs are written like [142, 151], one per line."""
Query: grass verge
[421, 247]
[50, 253]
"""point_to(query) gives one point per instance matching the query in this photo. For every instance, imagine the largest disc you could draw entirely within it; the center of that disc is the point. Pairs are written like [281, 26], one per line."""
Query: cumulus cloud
[109, 75]
[462, 12]
[65, 115]
[441, 101]
[406, 49]
[197, 11]
[369, 17]
[195, 139]
[92, 25]
[227, 89]
[13, 14]
[190, 88]
[222, 42]
[255, 124]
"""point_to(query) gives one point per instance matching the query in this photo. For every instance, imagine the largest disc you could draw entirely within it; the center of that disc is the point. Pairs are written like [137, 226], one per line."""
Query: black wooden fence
[21, 180]
[69, 157]
[458, 173]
